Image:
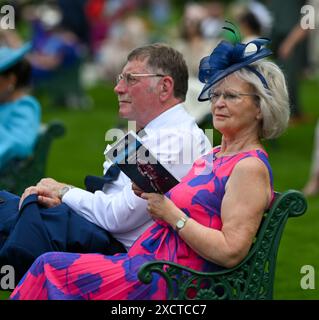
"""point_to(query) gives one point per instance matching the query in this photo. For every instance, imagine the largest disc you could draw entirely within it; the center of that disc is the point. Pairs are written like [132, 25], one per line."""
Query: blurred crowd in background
[77, 43]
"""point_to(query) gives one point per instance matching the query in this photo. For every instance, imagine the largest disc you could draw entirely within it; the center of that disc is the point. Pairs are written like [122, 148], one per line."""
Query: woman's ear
[259, 115]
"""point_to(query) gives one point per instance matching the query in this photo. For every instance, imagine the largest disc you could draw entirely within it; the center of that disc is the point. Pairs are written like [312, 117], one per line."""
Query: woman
[19, 112]
[209, 220]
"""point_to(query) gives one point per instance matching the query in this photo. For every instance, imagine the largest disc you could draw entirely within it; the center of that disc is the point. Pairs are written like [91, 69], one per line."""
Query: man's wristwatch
[180, 224]
[64, 190]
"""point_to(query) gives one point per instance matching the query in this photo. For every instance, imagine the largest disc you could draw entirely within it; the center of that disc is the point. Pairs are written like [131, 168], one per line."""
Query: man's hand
[48, 191]
[46, 197]
[26, 193]
[52, 185]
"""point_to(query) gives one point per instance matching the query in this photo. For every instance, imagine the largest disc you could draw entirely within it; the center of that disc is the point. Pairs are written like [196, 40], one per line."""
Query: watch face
[180, 224]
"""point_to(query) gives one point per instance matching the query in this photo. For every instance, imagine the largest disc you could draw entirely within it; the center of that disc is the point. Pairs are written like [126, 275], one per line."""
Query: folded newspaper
[140, 165]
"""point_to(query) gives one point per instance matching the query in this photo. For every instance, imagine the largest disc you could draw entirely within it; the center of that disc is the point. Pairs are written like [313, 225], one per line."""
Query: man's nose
[120, 86]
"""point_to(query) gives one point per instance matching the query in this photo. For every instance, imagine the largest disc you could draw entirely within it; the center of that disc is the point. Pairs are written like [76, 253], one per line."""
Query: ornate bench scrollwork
[253, 278]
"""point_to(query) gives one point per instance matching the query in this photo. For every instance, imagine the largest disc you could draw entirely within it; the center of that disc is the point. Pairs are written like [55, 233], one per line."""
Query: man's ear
[166, 88]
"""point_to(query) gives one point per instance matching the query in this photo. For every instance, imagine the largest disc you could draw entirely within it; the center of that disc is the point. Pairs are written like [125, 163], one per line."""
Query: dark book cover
[140, 165]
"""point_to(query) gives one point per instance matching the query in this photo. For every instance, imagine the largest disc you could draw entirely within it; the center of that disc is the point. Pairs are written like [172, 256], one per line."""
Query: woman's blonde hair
[274, 101]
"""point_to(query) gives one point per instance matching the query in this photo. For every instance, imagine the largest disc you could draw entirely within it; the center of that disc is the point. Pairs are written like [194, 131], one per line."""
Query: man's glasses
[231, 97]
[131, 78]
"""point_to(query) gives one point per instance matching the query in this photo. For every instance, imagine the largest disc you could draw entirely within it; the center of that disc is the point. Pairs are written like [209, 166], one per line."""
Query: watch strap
[64, 190]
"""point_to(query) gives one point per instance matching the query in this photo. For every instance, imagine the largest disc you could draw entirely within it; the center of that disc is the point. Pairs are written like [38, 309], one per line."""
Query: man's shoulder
[178, 131]
[177, 123]
[175, 116]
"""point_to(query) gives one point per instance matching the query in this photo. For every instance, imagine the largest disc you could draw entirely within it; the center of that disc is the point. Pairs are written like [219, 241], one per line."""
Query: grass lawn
[80, 152]
[4, 295]
[291, 164]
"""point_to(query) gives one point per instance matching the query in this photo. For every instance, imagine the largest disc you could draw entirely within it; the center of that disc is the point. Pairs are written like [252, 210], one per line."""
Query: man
[150, 89]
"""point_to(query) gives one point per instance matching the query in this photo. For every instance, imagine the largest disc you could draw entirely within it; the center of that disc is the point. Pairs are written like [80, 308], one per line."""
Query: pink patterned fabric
[60, 275]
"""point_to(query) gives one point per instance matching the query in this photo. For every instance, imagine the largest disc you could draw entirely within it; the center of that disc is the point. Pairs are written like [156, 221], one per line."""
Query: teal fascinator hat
[10, 56]
[227, 58]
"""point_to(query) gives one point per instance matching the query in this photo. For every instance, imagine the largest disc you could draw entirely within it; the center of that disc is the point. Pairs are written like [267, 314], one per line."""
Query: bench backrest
[19, 174]
[253, 278]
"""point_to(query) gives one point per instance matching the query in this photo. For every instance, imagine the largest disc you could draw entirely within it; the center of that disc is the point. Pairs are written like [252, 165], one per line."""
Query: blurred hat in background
[10, 56]
[49, 15]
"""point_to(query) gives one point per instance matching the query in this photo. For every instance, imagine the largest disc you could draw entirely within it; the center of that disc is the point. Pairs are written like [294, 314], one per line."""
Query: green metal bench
[252, 279]
[19, 174]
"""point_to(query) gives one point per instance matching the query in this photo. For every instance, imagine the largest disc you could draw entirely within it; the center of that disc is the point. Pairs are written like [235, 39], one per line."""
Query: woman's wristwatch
[180, 224]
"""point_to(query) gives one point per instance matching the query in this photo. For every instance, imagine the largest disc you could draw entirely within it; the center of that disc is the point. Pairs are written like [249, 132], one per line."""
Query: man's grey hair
[163, 58]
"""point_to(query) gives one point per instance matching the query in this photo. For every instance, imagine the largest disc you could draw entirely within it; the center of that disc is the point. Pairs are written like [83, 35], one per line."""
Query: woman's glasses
[229, 96]
[131, 78]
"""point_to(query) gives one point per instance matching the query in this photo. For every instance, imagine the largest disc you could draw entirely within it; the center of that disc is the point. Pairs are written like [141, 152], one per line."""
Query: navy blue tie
[94, 183]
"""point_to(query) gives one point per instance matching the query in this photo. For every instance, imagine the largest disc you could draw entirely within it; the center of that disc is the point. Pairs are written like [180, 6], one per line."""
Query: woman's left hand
[137, 190]
[159, 206]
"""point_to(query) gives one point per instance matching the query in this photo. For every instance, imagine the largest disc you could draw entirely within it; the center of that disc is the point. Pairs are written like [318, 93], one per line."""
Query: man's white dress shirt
[177, 141]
